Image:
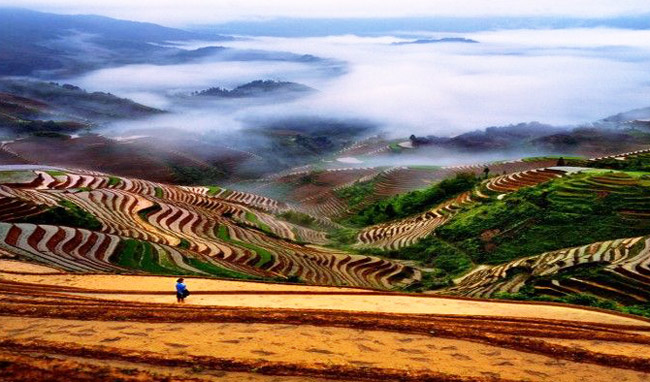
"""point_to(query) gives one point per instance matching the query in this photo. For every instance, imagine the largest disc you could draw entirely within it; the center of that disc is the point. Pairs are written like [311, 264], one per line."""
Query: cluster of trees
[300, 218]
[65, 214]
[252, 89]
[404, 205]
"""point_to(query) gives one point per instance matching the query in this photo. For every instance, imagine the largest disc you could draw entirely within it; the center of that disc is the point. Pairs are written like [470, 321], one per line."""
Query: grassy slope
[571, 211]
[410, 203]
[65, 214]
[566, 212]
[141, 255]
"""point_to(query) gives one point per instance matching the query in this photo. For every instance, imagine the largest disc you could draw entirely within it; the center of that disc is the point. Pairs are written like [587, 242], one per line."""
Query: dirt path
[160, 284]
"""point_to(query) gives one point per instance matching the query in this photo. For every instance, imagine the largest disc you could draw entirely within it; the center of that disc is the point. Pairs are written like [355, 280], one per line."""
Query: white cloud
[512, 76]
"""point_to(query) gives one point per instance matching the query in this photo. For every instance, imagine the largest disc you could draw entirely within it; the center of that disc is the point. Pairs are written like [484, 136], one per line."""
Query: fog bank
[562, 77]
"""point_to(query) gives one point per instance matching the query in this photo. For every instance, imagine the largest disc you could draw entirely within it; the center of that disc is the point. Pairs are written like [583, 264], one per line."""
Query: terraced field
[82, 301]
[63, 327]
[625, 263]
[406, 232]
[403, 233]
[512, 182]
[316, 191]
[130, 225]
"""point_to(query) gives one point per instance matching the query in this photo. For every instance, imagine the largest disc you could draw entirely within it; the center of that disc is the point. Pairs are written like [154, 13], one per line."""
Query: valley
[272, 193]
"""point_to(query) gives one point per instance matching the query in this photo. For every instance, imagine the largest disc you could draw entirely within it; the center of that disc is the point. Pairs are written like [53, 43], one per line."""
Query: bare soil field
[127, 328]
[211, 292]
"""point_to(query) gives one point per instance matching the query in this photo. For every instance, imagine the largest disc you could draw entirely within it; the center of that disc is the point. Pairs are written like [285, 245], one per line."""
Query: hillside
[516, 235]
[35, 42]
[256, 89]
[116, 225]
[29, 100]
[462, 224]
[45, 45]
[93, 257]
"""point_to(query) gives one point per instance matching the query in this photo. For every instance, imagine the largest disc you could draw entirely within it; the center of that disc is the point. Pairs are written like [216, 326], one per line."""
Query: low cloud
[558, 77]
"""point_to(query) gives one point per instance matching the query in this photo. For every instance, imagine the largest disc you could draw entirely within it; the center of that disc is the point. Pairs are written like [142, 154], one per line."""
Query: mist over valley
[398, 191]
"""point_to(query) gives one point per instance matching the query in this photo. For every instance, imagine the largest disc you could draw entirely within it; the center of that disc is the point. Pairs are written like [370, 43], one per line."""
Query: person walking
[181, 290]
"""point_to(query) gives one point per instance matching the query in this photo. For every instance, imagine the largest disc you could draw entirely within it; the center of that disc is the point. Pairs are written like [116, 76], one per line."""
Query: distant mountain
[35, 41]
[24, 25]
[611, 134]
[35, 100]
[294, 27]
[50, 45]
[492, 138]
[629, 116]
[437, 41]
[256, 89]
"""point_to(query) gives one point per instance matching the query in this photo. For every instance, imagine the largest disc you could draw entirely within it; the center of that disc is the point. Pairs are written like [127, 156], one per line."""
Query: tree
[390, 211]
[561, 162]
[486, 171]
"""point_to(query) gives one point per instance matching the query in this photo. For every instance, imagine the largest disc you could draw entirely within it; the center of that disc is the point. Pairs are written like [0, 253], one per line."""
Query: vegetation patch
[65, 214]
[443, 260]
[142, 255]
[566, 160]
[566, 212]
[188, 175]
[251, 217]
[213, 190]
[184, 243]
[311, 178]
[638, 162]
[144, 213]
[50, 134]
[113, 181]
[300, 219]
[215, 270]
[357, 193]
[222, 233]
[342, 237]
[55, 173]
[395, 147]
[411, 203]
[16, 176]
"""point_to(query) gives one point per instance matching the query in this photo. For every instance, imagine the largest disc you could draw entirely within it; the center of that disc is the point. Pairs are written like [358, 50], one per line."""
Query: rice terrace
[316, 193]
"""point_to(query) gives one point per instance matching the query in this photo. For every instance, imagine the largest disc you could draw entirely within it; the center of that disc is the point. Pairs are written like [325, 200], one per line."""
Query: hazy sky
[176, 12]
